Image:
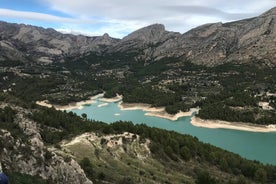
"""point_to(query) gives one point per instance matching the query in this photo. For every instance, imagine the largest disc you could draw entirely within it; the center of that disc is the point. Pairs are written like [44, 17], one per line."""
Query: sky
[121, 17]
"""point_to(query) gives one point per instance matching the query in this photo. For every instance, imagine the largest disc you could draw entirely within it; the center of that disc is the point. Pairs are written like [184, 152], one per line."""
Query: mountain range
[249, 40]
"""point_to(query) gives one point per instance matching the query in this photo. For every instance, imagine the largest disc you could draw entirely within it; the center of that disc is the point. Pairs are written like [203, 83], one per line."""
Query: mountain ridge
[209, 44]
[45, 45]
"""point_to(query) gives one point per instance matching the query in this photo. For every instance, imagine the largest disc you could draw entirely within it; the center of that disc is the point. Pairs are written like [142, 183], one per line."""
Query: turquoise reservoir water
[251, 145]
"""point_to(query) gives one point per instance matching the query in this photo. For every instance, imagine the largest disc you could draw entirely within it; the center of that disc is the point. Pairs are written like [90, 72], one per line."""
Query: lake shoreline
[159, 112]
[195, 121]
[70, 106]
[117, 98]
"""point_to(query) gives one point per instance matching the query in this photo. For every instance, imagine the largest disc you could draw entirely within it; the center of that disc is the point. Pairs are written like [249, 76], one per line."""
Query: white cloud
[153, 9]
[119, 17]
[145, 12]
[113, 28]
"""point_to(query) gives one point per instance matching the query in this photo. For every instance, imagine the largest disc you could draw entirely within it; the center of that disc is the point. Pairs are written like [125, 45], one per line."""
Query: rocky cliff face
[243, 41]
[150, 43]
[250, 40]
[26, 153]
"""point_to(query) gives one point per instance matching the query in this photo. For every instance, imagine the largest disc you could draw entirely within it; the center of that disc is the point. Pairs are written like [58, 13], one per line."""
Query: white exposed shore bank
[70, 106]
[195, 121]
[117, 98]
[155, 111]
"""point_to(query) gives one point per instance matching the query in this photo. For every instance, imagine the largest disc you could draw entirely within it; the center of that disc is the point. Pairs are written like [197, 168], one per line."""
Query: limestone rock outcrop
[26, 153]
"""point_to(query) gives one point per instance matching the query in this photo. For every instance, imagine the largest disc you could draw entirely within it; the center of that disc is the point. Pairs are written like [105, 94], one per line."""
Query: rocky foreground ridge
[25, 152]
[249, 40]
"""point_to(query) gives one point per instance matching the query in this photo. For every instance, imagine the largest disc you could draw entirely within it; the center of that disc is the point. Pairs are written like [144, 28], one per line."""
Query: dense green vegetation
[235, 107]
[228, 92]
[70, 124]
[10, 63]
[7, 115]
[87, 166]
[19, 178]
[174, 83]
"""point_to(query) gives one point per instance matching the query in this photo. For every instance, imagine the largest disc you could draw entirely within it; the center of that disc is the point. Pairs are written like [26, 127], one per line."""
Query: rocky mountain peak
[105, 35]
[150, 33]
